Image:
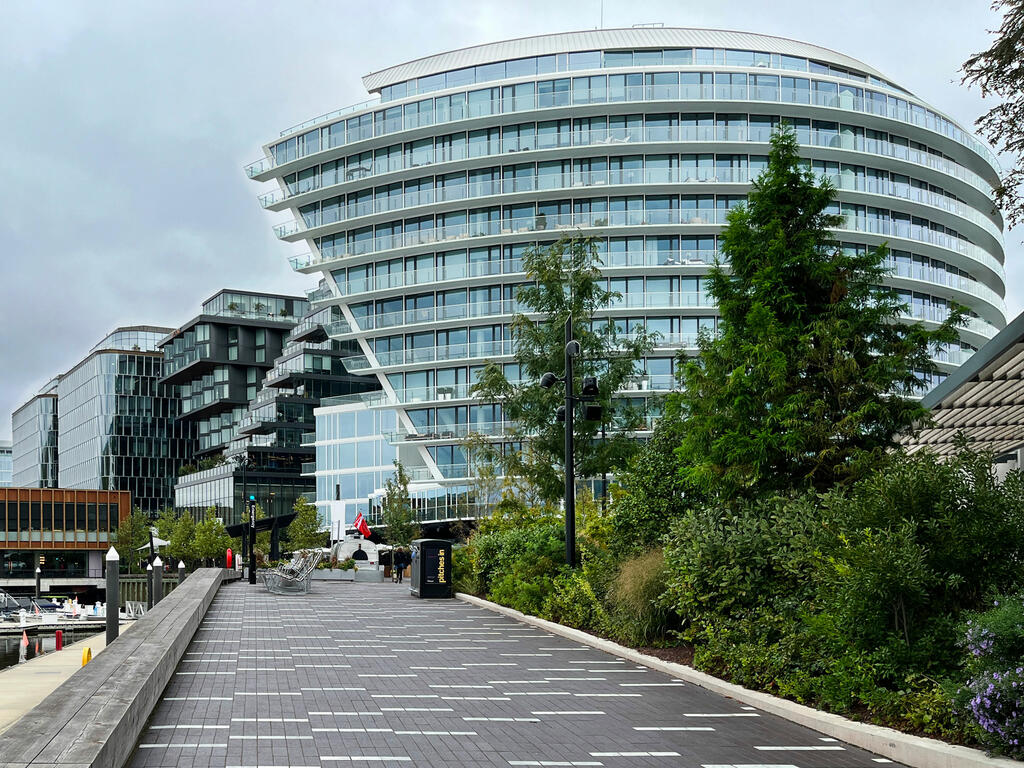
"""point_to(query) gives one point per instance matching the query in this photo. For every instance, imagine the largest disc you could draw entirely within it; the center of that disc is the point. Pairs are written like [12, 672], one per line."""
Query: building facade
[416, 209]
[106, 424]
[216, 364]
[34, 440]
[63, 532]
[118, 425]
[261, 452]
[6, 464]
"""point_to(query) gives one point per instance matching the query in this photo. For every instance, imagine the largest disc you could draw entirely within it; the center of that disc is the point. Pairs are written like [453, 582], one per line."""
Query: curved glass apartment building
[416, 207]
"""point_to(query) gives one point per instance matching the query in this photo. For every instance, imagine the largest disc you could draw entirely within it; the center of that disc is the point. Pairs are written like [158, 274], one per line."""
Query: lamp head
[548, 380]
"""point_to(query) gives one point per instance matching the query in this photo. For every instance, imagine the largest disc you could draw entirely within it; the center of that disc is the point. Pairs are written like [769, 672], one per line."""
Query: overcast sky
[126, 126]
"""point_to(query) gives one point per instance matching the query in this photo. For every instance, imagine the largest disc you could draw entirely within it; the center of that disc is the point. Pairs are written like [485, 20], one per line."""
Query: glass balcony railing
[647, 177]
[622, 259]
[610, 260]
[322, 293]
[447, 431]
[674, 299]
[308, 438]
[603, 138]
[338, 328]
[560, 223]
[332, 115]
[308, 467]
[942, 277]
[455, 108]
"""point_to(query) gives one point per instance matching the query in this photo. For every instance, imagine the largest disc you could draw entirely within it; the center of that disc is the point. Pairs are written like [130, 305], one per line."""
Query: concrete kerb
[915, 751]
[94, 719]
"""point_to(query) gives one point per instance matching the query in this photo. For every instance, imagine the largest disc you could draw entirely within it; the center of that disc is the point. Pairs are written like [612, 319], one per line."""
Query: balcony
[652, 217]
[610, 260]
[456, 109]
[647, 177]
[319, 294]
[447, 432]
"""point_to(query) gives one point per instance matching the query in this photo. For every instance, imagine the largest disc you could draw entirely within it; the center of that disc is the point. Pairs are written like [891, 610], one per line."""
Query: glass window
[585, 60]
[430, 83]
[459, 77]
[648, 58]
[487, 72]
[521, 67]
[618, 58]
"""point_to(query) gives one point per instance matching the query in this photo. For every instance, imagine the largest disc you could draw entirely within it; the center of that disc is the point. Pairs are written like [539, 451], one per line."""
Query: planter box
[370, 575]
[333, 574]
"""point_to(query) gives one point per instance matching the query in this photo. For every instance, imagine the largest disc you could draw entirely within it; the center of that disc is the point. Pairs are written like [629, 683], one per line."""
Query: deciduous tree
[396, 510]
[999, 71]
[182, 546]
[132, 533]
[565, 280]
[211, 540]
[305, 531]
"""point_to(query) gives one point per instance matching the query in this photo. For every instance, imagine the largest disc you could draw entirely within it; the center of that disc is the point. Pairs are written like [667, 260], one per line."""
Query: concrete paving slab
[364, 673]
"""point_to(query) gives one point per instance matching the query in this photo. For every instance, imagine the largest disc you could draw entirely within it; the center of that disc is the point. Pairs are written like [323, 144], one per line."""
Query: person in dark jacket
[400, 559]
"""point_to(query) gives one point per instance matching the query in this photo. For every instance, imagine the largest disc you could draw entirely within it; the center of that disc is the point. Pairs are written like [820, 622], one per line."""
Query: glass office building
[416, 207]
[6, 464]
[118, 426]
[34, 440]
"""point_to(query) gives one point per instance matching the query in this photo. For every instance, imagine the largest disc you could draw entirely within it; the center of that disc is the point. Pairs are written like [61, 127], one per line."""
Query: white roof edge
[568, 42]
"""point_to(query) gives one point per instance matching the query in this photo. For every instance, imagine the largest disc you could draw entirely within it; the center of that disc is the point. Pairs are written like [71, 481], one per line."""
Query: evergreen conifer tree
[813, 371]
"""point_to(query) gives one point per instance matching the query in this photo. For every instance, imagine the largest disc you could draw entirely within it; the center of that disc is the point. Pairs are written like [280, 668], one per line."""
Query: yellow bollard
[86, 655]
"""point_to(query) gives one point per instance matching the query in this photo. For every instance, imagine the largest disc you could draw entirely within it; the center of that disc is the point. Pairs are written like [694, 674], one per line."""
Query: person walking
[400, 559]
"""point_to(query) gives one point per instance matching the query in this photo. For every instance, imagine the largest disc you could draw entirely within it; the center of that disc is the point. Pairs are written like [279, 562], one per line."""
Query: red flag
[361, 525]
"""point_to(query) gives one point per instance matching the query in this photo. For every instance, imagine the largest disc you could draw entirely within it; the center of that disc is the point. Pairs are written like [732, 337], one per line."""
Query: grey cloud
[126, 126]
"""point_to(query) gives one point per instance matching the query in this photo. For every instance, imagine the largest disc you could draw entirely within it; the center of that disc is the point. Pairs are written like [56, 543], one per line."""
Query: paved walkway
[363, 674]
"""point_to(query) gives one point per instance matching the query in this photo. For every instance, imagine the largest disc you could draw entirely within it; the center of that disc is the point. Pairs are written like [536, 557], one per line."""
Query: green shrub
[522, 594]
[640, 615]
[514, 561]
[572, 602]
[652, 492]
[912, 547]
[464, 577]
[995, 638]
[993, 696]
[728, 563]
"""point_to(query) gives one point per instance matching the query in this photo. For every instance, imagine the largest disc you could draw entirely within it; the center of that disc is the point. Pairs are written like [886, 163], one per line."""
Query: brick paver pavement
[364, 674]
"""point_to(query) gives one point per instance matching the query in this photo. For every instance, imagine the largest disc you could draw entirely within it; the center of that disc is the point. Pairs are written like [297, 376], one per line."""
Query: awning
[983, 399]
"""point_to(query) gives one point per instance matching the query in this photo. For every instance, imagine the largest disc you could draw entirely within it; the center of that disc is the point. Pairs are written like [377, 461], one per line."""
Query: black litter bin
[431, 568]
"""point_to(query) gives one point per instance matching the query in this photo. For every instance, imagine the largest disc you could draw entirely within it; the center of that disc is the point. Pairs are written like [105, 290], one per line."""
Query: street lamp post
[572, 348]
[566, 413]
